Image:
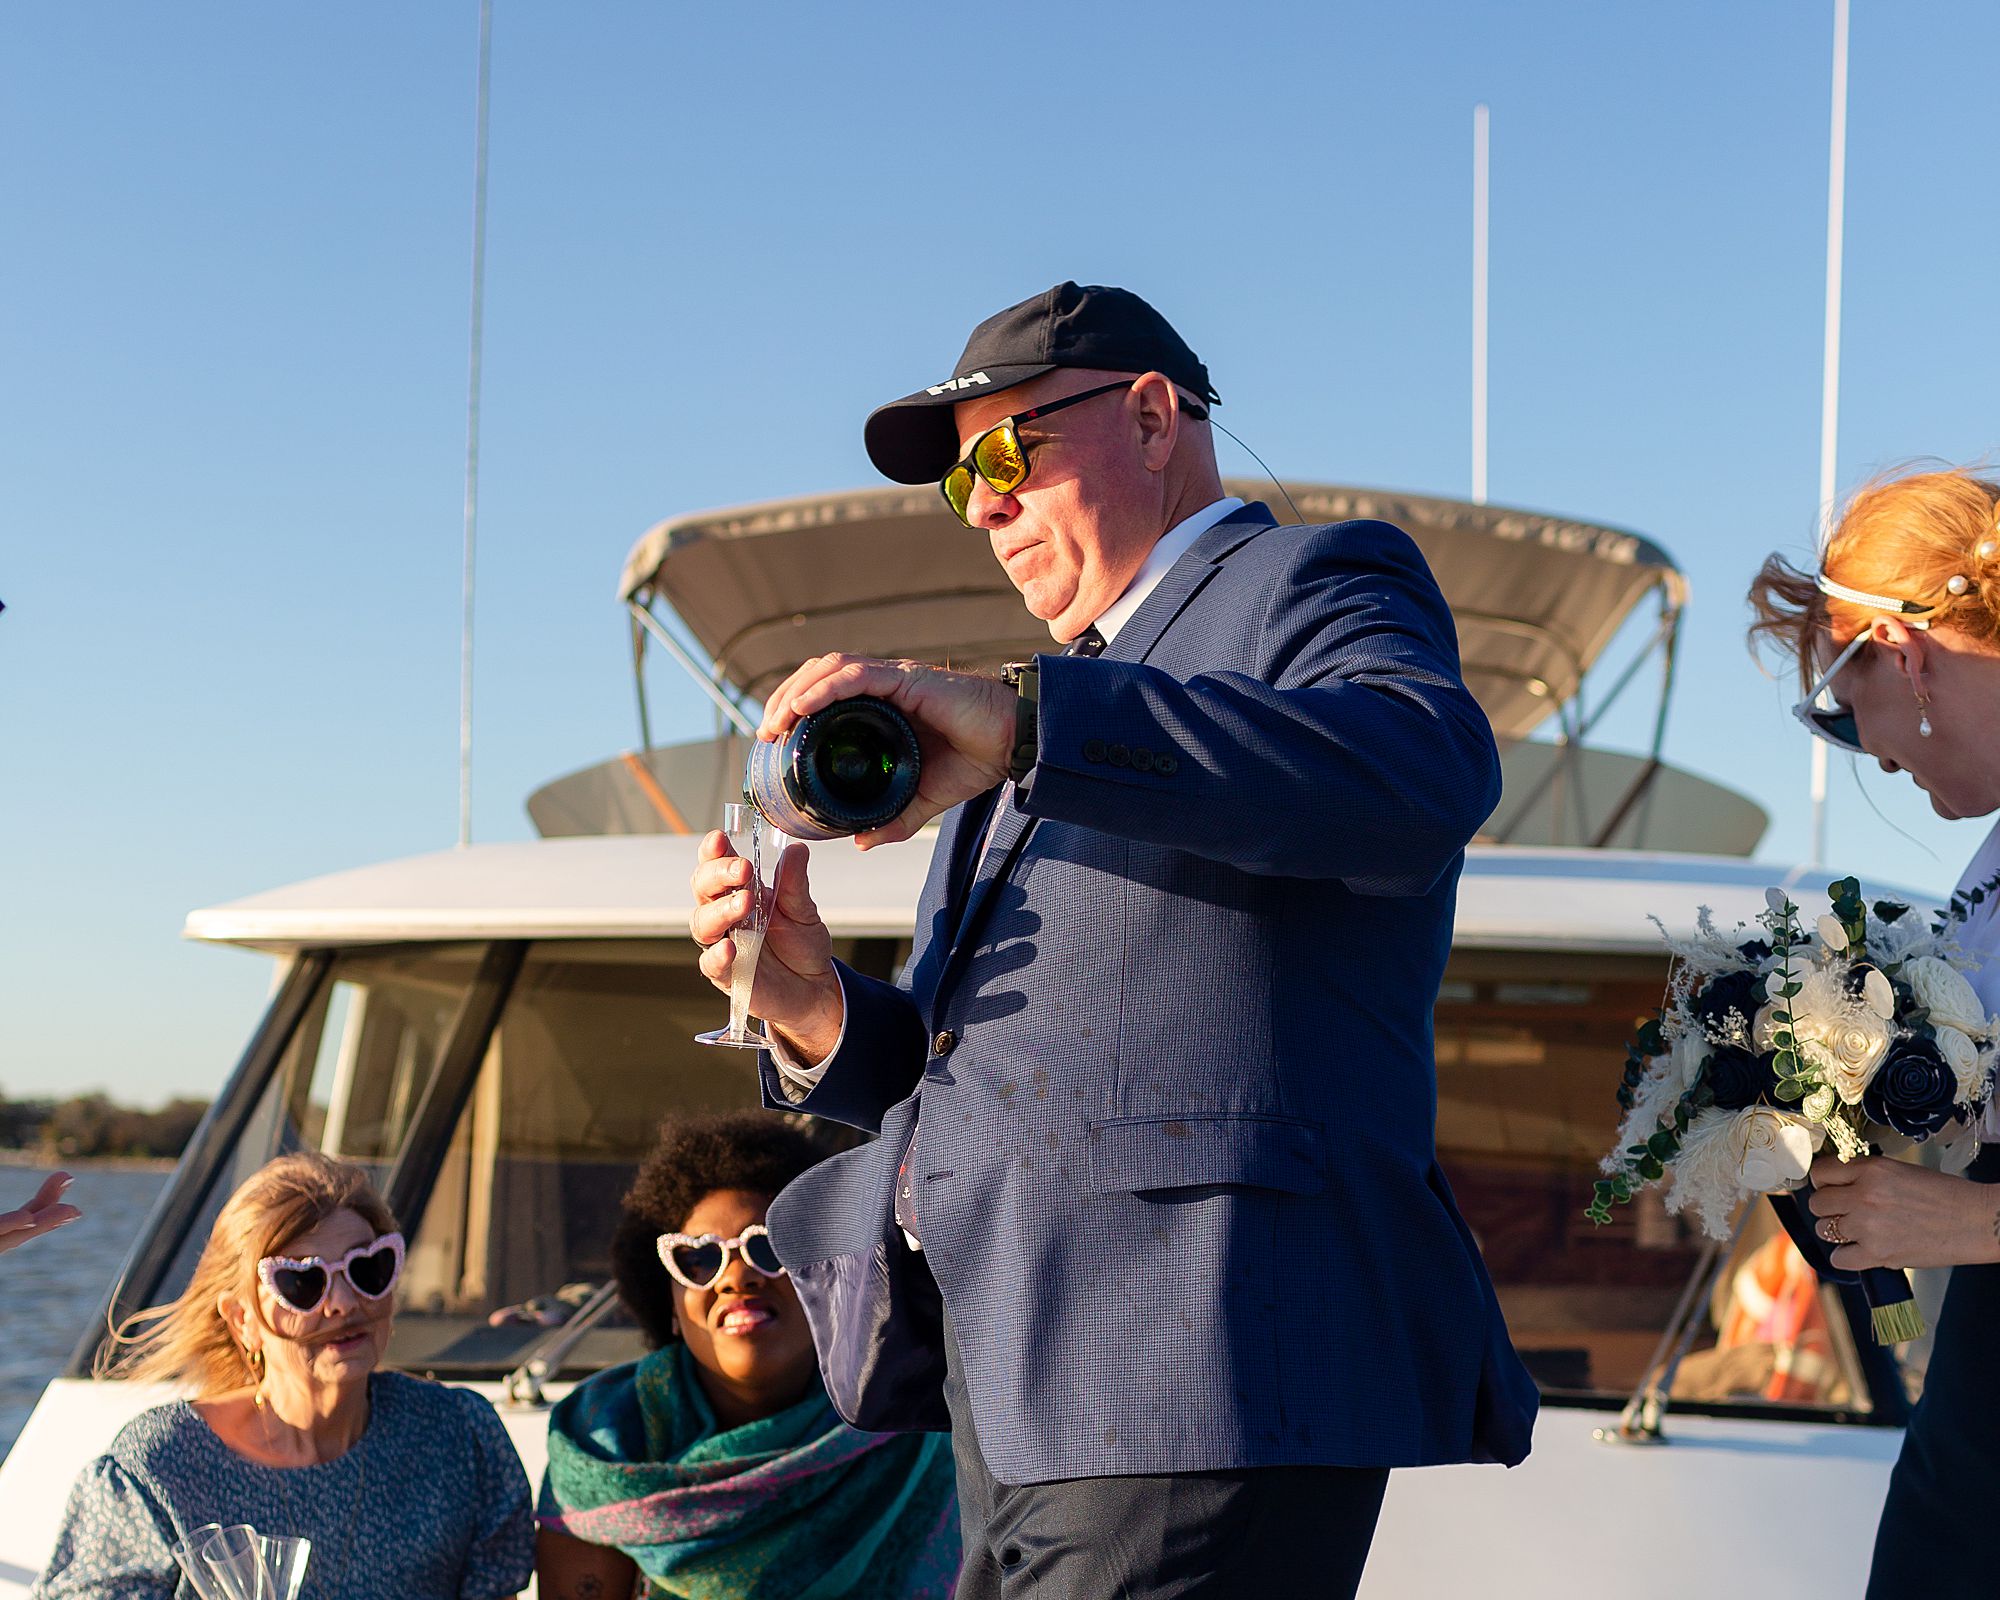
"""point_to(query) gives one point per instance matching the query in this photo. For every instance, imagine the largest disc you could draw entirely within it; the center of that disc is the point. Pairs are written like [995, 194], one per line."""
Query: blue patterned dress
[430, 1504]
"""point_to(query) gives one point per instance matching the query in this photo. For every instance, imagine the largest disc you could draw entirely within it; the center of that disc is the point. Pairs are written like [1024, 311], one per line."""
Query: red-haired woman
[1900, 628]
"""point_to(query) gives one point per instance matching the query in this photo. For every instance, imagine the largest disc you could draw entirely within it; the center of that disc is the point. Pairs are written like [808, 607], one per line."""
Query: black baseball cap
[913, 440]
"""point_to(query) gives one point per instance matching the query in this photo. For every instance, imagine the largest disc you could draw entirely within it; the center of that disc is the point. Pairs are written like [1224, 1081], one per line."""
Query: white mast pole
[472, 427]
[1479, 207]
[1829, 404]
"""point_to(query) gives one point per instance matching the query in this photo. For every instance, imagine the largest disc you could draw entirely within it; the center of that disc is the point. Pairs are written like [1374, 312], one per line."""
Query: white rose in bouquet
[1773, 1149]
[1837, 1033]
[1942, 990]
[1962, 1056]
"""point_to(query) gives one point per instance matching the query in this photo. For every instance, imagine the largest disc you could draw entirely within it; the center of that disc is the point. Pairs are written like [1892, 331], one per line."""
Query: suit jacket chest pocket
[1133, 1154]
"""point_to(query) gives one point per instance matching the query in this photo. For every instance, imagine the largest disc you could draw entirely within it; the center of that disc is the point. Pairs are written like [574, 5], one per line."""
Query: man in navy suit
[1156, 1095]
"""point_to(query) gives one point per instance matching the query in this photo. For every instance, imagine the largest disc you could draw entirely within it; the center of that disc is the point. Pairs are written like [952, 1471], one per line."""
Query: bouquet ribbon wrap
[1892, 1307]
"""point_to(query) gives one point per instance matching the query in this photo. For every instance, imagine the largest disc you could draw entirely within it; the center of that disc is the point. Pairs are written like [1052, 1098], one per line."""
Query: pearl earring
[1923, 717]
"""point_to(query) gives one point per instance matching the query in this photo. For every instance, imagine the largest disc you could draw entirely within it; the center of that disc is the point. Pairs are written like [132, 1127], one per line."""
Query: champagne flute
[187, 1556]
[747, 832]
[285, 1559]
[234, 1557]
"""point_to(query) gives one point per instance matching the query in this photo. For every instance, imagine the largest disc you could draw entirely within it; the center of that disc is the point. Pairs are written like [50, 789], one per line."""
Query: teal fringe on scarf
[798, 1506]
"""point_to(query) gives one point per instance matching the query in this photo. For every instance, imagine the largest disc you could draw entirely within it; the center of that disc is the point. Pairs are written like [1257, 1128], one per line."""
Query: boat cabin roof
[635, 886]
[890, 572]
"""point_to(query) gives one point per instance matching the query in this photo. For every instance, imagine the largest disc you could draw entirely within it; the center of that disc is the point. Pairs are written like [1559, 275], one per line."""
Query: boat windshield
[502, 1097]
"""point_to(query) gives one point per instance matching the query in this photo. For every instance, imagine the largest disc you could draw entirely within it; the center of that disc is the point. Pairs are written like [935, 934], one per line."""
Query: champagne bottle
[844, 769]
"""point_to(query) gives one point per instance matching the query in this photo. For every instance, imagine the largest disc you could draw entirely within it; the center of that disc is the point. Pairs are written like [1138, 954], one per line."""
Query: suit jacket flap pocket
[1132, 1153]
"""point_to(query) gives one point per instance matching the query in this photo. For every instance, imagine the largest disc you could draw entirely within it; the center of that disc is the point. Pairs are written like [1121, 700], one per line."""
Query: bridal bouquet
[1861, 1036]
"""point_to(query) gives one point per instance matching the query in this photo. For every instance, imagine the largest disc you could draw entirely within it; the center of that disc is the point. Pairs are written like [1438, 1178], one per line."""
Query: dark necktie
[1087, 643]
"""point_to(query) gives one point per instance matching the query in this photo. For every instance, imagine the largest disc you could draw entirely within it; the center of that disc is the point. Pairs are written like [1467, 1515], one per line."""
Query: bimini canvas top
[890, 572]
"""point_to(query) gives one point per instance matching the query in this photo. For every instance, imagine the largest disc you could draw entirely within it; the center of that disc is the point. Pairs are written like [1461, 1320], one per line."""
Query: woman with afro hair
[715, 1468]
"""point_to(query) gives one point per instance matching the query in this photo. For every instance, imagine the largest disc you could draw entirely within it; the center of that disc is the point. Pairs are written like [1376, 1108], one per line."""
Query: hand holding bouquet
[1863, 1035]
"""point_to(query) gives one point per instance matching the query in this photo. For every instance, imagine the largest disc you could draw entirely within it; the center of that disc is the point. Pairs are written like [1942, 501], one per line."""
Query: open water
[52, 1286]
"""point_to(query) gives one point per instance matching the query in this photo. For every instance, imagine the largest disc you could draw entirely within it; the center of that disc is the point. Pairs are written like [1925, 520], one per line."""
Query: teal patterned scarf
[798, 1506]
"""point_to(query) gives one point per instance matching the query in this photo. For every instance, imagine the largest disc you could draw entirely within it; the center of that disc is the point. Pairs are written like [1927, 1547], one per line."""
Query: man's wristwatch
[1025, 681]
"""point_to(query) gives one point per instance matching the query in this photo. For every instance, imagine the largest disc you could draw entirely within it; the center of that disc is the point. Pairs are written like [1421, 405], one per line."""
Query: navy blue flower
[1741, 992]
[1737, 1078]
[1913, 1090]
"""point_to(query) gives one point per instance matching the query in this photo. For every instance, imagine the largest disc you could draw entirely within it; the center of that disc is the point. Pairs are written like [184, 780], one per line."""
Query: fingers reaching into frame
[43, 1213]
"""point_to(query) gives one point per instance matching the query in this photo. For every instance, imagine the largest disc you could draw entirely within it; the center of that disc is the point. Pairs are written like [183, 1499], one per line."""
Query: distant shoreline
[35, 1158]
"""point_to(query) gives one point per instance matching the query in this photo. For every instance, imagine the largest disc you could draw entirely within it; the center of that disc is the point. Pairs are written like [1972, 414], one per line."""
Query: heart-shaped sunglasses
[699, 1260]
[301, 1282]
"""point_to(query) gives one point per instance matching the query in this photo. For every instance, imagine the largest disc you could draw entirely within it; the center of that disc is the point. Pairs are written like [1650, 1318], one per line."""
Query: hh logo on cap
[965, 382]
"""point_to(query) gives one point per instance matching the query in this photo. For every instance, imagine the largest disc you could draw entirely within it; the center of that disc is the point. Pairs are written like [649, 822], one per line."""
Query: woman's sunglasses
[302, 1282]
[1835, 723]
[1000, 454]
[699, 1260]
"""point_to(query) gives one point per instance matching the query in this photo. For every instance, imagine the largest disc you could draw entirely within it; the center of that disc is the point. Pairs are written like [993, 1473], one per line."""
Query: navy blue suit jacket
[1169, 1052]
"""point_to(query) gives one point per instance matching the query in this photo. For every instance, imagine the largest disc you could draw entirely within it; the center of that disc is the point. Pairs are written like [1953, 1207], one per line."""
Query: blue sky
[233, 305]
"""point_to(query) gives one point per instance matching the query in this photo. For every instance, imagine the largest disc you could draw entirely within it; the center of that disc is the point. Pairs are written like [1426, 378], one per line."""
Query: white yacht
[496, 1030]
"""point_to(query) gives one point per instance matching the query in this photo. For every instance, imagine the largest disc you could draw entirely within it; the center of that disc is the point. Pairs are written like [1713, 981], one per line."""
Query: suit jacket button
[1118, 756]
[1142, 760]
[1093, 749]
[944, 1043]
[1165, 765]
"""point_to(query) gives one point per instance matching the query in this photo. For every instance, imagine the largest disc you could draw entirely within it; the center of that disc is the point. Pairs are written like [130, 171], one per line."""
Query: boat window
[352, 1074]
[1529, 1048]
[594, 1047]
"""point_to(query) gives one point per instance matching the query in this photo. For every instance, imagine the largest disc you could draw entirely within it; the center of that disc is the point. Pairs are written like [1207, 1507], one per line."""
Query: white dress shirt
[798, 1080]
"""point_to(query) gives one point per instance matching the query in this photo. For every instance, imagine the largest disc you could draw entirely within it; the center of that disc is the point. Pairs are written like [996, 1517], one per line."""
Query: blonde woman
[406, 1488]
[1900, 626]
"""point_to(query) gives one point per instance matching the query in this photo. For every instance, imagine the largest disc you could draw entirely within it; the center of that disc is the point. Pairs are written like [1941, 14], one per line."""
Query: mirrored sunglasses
[302, 1282]
[699, 1260]
[1000, 454]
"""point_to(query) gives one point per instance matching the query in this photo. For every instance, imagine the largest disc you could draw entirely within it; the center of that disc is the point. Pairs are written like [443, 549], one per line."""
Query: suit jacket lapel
[958, 837]
[1184, 580]
[1010, 832]
[1135, 642]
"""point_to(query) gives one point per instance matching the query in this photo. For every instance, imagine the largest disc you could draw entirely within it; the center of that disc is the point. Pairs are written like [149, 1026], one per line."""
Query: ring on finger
[1831, 1231]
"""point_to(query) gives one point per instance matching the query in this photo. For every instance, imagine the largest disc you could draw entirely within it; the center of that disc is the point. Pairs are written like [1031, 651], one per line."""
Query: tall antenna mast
[1829, 401]
[1479, 143]
[472, 427]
